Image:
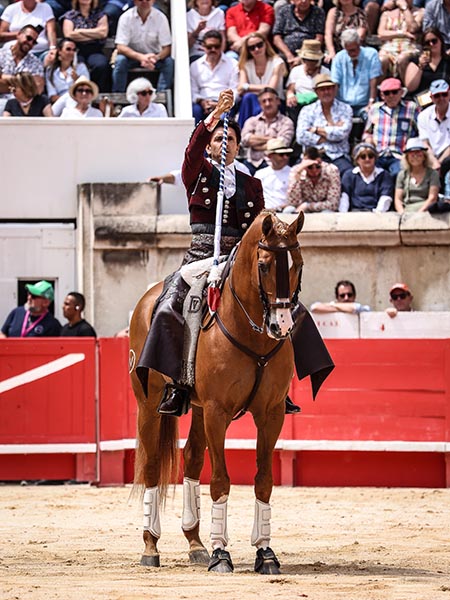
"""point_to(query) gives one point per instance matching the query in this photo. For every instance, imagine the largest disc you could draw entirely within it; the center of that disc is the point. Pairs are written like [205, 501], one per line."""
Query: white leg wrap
[191, 504]
[151, 511]
[261, 525]
[219, 532]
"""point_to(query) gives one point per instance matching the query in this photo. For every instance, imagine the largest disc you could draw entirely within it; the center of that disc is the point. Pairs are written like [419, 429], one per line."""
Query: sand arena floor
[80, 542]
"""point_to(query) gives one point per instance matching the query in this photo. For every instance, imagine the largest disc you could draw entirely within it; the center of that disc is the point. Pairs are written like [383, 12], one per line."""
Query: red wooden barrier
[382, 418]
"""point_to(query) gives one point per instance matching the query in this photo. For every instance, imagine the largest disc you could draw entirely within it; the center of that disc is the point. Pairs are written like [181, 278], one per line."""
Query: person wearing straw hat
[33, 319]
[326, 124]
[84, 92]
[275, 177]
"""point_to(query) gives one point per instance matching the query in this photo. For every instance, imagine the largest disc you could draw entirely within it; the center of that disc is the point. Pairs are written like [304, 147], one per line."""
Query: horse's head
[279, 272]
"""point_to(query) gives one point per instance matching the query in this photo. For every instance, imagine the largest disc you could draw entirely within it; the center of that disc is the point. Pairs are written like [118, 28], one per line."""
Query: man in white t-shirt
[275, 177]
[143, 39]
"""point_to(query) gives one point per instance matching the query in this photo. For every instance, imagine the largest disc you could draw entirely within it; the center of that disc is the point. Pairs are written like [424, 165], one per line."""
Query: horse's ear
[300, 222]
[267, 225]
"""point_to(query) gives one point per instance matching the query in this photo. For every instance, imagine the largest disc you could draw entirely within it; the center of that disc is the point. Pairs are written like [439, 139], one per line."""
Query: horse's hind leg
[194, 455]
[269, 428]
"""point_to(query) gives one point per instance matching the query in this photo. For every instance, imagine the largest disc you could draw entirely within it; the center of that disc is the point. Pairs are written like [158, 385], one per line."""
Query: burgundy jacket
[201, 180]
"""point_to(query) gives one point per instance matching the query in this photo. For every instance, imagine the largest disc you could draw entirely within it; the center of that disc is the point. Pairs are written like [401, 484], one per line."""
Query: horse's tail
[168, 458]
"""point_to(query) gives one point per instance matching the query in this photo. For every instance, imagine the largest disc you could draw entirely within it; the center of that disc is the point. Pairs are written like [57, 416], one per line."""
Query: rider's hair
[234, 125]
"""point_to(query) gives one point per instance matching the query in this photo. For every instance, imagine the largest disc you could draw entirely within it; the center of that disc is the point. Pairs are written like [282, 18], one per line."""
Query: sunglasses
[365, 155]
[440, 95]
[400, 296]
[31, 39]
[431, 42]
[145, 93]
[346, 295]
[85, 90]
[212, 46]
[259, 45]
[312, 167]
[391, 92]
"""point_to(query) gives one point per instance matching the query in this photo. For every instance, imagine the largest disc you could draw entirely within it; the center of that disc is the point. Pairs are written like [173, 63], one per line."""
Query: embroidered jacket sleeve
[194, 160]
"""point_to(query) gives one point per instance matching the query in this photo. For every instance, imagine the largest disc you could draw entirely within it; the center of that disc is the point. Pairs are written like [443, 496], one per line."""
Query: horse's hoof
[150, 560]
[199, 557]
[220, 562]
[266, 562]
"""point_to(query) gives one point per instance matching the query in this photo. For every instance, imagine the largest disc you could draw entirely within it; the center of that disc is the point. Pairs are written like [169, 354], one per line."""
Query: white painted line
[86, 448]
[43, 371]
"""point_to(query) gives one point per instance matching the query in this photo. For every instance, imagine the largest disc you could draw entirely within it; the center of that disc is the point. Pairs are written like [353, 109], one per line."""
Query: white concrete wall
[43, 160]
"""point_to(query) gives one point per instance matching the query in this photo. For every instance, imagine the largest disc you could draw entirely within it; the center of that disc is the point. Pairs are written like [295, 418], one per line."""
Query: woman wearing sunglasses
[417, 184]
[433, 63]
[84, 92]
[366, 187]
[259, 67]
[140, 93]
[26, 102]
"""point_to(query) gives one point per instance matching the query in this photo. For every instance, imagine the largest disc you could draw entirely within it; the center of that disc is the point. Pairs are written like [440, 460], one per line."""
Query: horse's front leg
[216, 423]
[269, 427]
[194, 456]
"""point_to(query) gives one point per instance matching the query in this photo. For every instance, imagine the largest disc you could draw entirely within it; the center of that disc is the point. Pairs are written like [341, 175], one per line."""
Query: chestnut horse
[244, 361]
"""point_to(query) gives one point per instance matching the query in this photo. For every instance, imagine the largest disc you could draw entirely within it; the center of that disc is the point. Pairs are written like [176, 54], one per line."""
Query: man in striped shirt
[390, 124]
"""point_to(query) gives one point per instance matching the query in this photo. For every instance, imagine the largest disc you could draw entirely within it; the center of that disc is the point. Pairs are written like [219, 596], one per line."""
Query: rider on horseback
[243, 201]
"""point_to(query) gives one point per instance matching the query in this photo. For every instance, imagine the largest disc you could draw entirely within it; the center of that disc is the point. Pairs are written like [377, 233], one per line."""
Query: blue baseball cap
[439, 86]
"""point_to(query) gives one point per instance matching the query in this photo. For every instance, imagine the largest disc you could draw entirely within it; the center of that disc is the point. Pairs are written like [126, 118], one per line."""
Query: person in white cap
[417, 184]
[275, 177]
[401, 299]
[434, 129]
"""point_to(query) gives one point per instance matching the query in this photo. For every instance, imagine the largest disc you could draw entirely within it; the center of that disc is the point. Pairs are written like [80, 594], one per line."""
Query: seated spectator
[372, 10]
[259, 67]
[111, 8]
[356, 70]
[434, 129]
[202, 17]
[345, 301]
[314, 185]
[258, 130]
[390, 124]
[87, 26]
[26, 102]
[29, 12]
[326, 124]
[401, 299]
[437, 15]
[298, 21]
[210, 74]
[300, 84]
[18, 59]
[275, 177]
[417, 184]
[139, 93]
[366, 187]
[73, 306]
[432, 63]
[344, 15]
[248, 16]
[84, 92]
[143, 39]
[62, 73]
[398, 28]
[33, 319]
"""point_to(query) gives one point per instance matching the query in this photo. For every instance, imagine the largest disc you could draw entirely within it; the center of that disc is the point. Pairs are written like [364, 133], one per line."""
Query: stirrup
[175, 400]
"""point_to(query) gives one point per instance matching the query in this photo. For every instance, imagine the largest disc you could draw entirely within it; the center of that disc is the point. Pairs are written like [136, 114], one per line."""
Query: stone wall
[125, 245]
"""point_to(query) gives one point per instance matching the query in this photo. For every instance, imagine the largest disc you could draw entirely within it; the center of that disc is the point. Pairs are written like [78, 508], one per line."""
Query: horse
[244, 362]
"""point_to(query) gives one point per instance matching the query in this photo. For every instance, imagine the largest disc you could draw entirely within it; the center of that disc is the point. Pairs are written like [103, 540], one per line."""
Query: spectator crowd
[343, 106]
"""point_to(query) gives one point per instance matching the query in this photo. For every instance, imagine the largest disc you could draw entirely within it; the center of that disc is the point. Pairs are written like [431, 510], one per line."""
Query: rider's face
[214, 148]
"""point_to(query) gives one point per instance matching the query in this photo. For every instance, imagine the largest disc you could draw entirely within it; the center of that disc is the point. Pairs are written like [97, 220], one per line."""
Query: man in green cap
[33, 319]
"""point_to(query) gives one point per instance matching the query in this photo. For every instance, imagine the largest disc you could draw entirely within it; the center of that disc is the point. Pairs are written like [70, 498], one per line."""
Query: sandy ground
[69, 541]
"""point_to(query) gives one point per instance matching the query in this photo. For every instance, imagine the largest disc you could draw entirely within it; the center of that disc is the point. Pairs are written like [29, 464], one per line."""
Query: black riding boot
[175, 401]
[289, 407]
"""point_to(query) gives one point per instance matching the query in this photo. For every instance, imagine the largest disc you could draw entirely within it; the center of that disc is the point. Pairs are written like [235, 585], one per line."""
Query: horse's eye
[263, 266]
